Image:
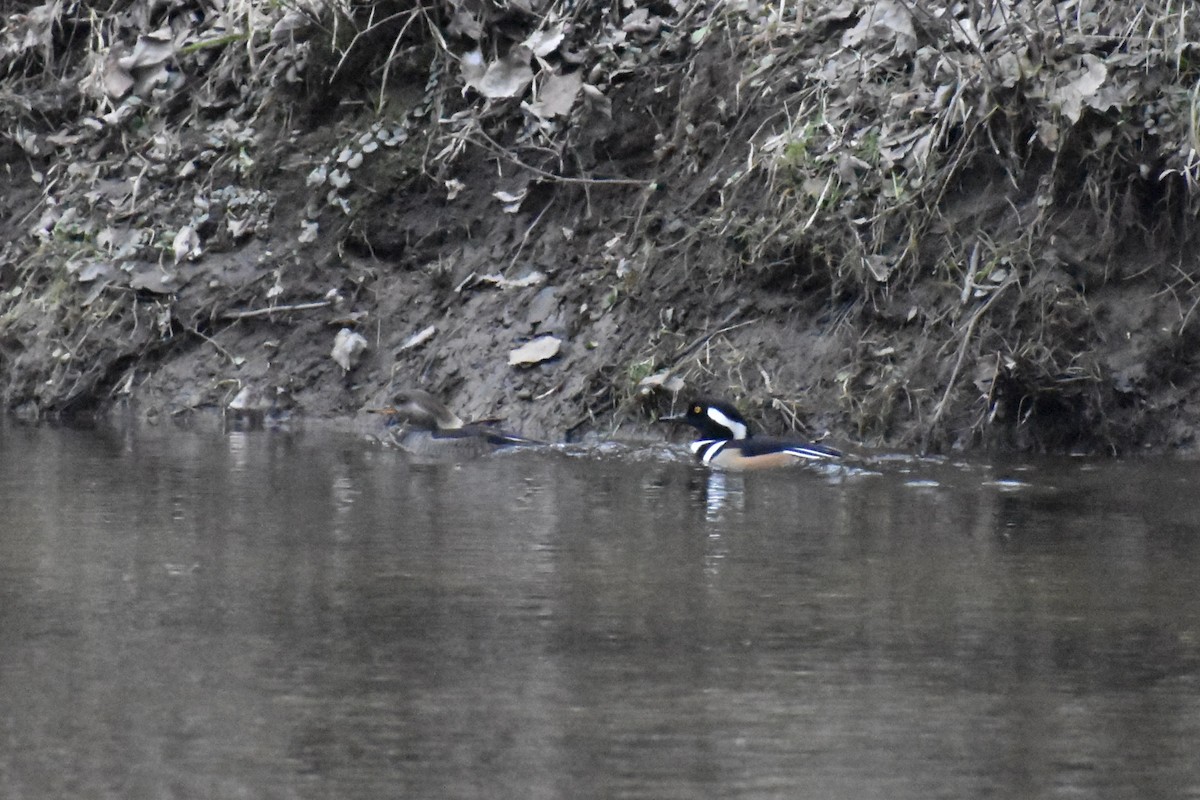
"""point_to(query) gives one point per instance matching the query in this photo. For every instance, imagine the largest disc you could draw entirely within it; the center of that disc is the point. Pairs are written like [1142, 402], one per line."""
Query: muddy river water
[261, 615]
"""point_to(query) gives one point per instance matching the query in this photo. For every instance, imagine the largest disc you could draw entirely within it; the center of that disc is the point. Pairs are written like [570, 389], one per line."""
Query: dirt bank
[907, 227]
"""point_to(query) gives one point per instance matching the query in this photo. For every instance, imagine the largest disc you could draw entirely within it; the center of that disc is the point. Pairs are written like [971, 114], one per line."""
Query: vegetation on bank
[985, 206]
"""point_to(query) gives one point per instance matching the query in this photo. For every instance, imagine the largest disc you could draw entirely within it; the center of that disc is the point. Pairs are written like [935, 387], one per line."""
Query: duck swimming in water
[419, 423]
[726, 442]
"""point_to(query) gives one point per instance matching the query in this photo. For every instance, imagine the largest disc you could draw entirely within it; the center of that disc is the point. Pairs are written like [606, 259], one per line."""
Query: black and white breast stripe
[708, 449]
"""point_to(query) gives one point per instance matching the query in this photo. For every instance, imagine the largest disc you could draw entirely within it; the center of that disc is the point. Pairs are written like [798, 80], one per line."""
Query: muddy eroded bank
[906, 226]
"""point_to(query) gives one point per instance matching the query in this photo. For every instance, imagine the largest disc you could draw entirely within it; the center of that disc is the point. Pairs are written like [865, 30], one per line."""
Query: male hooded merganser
[726, 442]
[419, 423]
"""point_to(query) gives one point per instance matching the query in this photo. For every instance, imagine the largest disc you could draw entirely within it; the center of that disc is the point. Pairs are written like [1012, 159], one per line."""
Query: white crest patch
[736, 429]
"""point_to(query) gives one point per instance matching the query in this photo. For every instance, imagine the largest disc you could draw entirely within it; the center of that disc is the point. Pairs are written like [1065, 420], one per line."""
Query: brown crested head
[420, 408]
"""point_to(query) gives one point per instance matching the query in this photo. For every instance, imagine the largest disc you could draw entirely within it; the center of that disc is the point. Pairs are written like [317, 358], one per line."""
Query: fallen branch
[263, 312]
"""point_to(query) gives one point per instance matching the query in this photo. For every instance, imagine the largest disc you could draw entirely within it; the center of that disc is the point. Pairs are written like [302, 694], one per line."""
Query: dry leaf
[880, 267]
[419, 338]
[239, 227]
[535, 351]
[506, 77]
[116, 80]
[543, 43]
[1084, 85]
[150, 51]
[885, 20]
[89, 271]
[145, 66]
[465, 24]
[248, 399]
[524, 282]
[186, 244]
[511, 200]
[149, 278]
[557, 95]
[661, 380]
[472, 67]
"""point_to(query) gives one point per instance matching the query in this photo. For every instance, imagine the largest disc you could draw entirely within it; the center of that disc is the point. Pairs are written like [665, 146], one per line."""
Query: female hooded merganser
[726, 442]
[419, 423]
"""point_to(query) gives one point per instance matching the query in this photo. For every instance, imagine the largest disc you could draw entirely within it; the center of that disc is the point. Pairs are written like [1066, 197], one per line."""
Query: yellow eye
[697, 410]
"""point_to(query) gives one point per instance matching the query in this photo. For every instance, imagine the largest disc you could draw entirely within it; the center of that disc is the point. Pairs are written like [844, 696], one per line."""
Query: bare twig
[371, 26]
[962, 354]
[235, 360]
[494, 146]
[263, 312]
[723, 326]
[528, 231]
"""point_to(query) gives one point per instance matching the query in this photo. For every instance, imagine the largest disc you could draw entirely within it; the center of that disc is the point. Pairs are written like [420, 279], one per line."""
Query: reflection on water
[258, 615]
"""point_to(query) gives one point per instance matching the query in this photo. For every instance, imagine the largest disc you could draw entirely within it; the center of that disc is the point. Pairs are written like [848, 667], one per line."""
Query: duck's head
[714, 419]
[419, 409]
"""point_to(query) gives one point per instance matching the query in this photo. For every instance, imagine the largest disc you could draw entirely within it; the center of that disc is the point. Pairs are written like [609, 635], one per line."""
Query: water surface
[265, 615]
